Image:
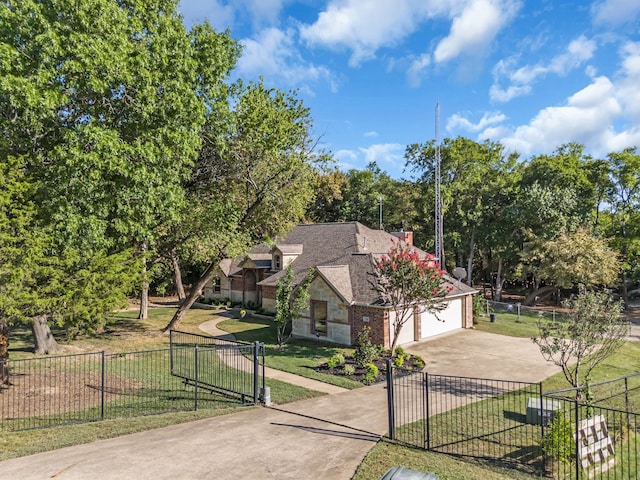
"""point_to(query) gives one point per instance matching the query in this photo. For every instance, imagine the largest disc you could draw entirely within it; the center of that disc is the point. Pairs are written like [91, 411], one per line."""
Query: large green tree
[570, 259]
[103, 102]
[257, 179]
[472, 174]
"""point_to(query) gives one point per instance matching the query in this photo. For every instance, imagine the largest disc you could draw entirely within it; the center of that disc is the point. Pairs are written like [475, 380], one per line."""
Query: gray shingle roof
[343, 253]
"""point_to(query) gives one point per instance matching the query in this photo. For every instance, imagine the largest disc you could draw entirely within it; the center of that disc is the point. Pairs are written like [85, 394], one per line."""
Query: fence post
[195, 396]
[426, 420]
[256, 372]
[390, 400]
[577, 420]
[171, 352]
[541, 411]
[263, 379]
[102, 380]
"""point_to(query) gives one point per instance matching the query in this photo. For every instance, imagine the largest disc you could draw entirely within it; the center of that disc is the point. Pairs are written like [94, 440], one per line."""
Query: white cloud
[273, 54]
[418, 65]
[615, 12]
[475, 27]
[364, 26]
[196, 11]
[389, 156]
[577, 53]
[346, 159]
[627, 84]
[371, 134]
[489, 118]
[587, 118]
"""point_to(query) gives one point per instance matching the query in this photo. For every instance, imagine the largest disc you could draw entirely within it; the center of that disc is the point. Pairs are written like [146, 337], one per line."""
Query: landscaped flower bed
[369, 362]
[351, 370]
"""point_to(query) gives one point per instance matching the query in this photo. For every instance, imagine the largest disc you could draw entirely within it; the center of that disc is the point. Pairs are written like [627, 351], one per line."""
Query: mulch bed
[411, 365]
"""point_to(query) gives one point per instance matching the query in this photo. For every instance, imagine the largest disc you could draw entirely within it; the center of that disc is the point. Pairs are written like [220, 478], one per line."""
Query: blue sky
[531, 74]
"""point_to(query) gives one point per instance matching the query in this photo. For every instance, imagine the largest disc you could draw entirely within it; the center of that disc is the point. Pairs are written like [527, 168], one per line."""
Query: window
[216, 286]
[276, 262]
[319, 317]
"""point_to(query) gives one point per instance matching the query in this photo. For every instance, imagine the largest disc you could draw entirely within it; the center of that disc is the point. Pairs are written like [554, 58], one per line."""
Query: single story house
[342, 300]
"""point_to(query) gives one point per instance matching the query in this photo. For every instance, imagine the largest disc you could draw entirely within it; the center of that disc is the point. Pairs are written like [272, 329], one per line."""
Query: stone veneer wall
[467, 311]
[269, 298]
[338, 325]
[378, 322]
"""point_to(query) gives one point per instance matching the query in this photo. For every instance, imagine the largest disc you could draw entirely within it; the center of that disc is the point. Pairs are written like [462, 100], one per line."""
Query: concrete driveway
[320, 438]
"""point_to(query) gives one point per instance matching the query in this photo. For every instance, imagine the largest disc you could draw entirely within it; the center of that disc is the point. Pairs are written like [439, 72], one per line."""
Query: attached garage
[447, 320]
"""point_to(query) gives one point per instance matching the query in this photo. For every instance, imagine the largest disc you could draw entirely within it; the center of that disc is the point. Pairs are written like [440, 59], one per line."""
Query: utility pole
[439, 249]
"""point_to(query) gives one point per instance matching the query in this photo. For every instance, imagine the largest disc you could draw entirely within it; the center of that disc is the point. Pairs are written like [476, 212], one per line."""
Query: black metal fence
[481, 419]
[58, 390]
[594, 432]
[517, 425]
[227, 367]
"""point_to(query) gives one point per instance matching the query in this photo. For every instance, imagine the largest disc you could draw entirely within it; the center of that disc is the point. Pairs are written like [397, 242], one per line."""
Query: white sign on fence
[595, 447]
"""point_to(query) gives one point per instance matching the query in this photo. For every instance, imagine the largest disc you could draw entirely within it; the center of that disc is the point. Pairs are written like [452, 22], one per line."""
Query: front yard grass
[509, 324]
[386, 455]
[298, 356]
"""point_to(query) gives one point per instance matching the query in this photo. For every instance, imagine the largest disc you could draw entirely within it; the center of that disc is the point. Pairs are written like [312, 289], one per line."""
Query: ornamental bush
[365, 350]
[372, 374]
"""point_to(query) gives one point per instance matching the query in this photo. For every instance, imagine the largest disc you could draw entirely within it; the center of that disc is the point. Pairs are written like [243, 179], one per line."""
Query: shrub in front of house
[349, 370]
[335, 361]
[372, 374]
[365, 350]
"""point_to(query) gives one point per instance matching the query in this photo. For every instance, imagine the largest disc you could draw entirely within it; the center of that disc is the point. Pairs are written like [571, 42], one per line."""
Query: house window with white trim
[319, 317]
[217, 286]
[277, 264]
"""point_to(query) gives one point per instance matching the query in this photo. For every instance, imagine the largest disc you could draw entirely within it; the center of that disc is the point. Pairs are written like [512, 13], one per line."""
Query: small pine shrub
[365, 350]
[418, 362]
[558, 442]
[398, 361]
[349, 370]
[371, 375]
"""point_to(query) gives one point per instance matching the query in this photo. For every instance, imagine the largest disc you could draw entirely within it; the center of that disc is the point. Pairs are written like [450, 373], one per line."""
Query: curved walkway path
[211, 327]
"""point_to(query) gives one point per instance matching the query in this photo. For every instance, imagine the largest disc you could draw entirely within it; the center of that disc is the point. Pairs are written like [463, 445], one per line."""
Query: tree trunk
[472, 247]
[499, 282]
[4, 353]
[144, 291]
[177, 276]
[539, 294]
[42, 336]
[206, 277]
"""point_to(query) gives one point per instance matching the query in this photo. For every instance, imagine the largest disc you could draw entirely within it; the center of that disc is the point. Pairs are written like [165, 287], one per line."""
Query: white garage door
[407, 334]
[447, 320]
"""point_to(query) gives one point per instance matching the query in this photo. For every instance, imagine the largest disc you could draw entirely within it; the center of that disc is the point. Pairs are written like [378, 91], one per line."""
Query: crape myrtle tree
[406, 282]
[257, 178]
[291, 300]
[101, 101]
[591, 332]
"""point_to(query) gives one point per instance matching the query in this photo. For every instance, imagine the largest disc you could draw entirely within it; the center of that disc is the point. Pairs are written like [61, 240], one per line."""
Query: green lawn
[509, 324]
[298, 356]
[386, 455]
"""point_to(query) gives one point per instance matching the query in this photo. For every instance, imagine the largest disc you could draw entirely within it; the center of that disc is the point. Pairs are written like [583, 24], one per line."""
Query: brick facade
[377, 319]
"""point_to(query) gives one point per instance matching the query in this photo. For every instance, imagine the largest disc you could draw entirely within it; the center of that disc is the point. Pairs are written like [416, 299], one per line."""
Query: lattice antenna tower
[439, 249]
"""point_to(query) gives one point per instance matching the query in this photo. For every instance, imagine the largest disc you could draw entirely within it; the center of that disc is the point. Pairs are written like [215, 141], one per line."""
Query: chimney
[406, 237]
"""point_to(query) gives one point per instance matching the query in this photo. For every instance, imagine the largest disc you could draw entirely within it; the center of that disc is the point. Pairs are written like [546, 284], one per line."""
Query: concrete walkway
[211, 327]
[320, 438]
